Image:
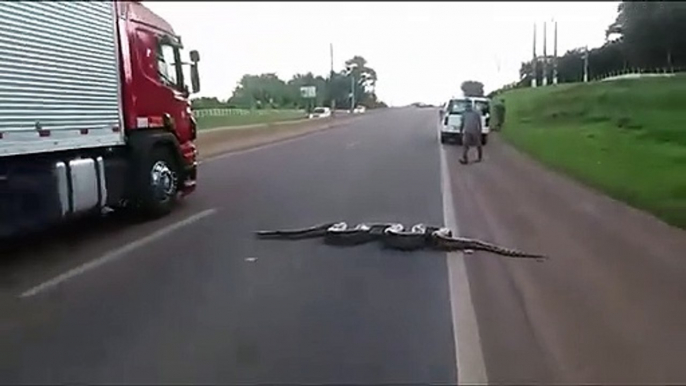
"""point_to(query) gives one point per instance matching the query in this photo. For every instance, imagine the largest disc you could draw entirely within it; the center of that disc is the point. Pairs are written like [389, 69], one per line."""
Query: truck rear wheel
[159, 183]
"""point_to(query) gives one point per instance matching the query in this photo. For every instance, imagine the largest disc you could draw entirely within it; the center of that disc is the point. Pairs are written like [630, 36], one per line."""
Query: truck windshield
[185, 70]
[482, 106]
[458, 106]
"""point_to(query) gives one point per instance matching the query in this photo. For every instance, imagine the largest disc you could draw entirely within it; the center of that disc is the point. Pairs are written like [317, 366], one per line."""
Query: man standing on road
[470, 127]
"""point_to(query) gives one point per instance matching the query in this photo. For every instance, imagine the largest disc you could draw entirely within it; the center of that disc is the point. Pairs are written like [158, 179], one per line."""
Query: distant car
[451, 118]
[359, 110]
[320, 112]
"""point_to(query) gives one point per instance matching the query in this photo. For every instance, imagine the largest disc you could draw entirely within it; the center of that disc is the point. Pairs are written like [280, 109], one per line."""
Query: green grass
[626, 138]
[248, 117]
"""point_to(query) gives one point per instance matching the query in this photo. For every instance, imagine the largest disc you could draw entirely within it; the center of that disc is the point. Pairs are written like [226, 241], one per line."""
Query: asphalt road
[195, 298]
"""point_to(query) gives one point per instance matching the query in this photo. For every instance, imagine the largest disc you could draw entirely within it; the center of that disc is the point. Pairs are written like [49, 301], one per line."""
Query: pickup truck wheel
[443, 139]
[484, 139]
[160, 184]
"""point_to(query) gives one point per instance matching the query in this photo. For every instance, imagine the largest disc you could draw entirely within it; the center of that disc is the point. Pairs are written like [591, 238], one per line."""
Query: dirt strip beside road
[606, 308]
[216, 141]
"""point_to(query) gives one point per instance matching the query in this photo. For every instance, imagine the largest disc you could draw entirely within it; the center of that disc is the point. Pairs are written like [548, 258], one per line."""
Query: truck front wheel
[160, 184]
[484, 139]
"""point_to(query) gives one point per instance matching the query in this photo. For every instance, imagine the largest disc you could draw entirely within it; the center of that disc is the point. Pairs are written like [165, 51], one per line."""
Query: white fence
[226, 112]
[637, 73]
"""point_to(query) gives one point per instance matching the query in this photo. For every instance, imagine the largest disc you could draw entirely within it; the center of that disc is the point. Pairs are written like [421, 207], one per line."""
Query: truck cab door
[173, 90]
[157, 86]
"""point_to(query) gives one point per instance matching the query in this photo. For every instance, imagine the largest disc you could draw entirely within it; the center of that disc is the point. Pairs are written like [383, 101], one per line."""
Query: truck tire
[484, 139]
[443, 139]
[159, 184]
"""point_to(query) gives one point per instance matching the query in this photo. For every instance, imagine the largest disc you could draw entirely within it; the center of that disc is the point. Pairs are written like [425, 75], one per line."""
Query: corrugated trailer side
[59, 77]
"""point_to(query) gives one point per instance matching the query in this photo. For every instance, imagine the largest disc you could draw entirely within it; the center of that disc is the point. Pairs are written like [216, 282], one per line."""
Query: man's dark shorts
[471, 139]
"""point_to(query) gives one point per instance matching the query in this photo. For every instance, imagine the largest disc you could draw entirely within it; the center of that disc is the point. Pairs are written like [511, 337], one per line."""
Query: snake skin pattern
[394, 235]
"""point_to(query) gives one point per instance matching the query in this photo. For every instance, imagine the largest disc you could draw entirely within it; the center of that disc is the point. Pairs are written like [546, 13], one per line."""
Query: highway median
[215, 141]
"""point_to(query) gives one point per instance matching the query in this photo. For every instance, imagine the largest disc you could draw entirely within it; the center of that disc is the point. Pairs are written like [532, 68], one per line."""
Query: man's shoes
[478, 160]
[463, 161]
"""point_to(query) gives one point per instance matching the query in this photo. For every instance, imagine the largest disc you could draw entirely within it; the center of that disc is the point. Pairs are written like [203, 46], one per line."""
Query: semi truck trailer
[94, 112]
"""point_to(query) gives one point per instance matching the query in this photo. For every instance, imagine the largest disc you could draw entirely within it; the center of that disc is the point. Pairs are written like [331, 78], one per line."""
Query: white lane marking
[471, 369]
[115, 254]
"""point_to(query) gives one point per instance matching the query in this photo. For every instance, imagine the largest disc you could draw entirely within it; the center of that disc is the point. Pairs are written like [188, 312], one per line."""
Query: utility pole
[333, 98]
[350, 69]
[545, 55]
[352, 90]
[331, 56]
[533, 62]
[586, 64]
[555, 54]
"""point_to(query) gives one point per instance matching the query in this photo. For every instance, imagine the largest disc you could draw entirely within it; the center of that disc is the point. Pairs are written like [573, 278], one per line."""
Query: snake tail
[488, 247]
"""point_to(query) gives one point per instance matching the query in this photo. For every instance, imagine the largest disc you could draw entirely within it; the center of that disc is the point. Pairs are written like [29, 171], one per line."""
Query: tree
[207, 103]
[472, 88]
[364, 75]
[260, 91]
[267, 90]
[303, 80]
[646, 35]
[570, 66]
[365, 80]
[651, 32]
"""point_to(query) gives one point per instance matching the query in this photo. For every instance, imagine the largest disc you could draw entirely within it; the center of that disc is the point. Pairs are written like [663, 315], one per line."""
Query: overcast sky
[421, 51]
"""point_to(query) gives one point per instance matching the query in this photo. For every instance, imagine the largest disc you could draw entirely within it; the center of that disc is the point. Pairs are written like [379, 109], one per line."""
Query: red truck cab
[94, 112]
[155, 92]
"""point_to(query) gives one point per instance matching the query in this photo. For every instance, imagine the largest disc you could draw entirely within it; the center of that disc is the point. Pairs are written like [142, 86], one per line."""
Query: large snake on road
[394, 235]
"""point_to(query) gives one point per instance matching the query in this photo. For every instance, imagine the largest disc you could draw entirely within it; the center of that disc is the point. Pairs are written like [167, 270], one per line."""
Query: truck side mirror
[195, 75]
[195, 56]
[195, 78]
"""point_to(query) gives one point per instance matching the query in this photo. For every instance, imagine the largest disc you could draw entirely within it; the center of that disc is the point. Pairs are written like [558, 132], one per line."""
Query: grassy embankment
[626, 138]
[247, 117]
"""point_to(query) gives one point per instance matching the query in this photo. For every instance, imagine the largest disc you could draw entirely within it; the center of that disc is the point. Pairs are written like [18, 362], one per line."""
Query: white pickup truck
[451, 118]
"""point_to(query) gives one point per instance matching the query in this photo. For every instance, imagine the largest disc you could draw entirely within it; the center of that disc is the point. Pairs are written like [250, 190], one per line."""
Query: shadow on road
[56, 244]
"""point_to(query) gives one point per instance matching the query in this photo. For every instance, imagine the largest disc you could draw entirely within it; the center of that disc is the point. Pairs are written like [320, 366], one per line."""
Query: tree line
[646, 36]
[268, 91]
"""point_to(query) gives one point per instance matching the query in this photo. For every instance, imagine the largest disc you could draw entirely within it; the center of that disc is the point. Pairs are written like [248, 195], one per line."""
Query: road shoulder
[605, 308]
